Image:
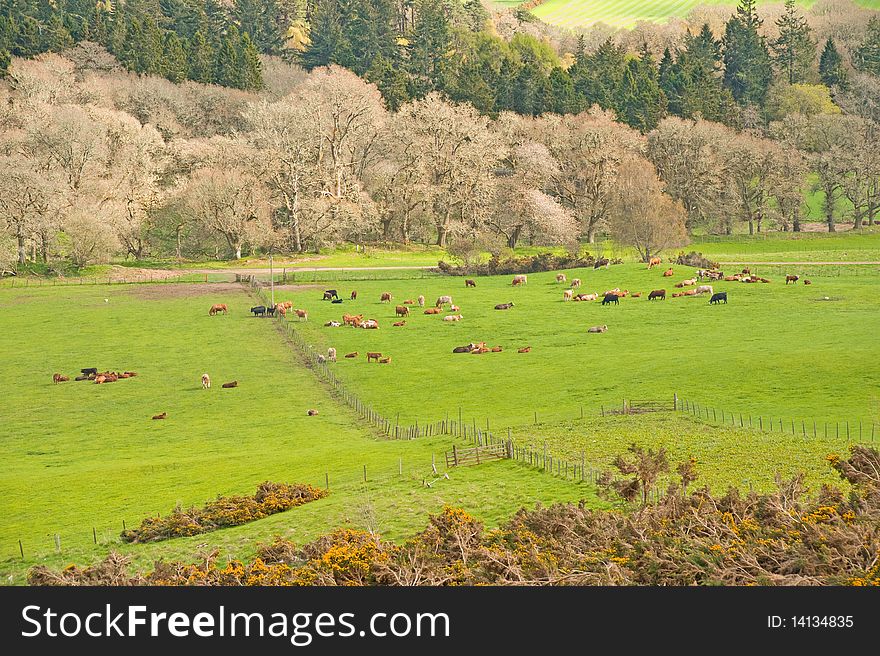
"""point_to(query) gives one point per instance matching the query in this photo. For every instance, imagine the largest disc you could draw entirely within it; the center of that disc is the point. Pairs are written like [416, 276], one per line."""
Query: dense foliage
[270, 498]
[687, 538]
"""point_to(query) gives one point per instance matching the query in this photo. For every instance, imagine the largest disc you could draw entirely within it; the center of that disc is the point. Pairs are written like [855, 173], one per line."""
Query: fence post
[20, 546]
[365, 473]
[674, 401]
[454, 456]
[327, 480]
[582, 466]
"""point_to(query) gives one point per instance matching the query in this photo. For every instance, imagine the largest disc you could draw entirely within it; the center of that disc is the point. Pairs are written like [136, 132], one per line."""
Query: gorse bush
[782, 538]
[269, 499]
[500, 265]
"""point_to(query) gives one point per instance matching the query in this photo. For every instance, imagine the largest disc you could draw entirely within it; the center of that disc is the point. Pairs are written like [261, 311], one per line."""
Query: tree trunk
[441, 236]
[22, 254]
[178, 229]
[513, 237]
[44, 239]
[751, 226]
[796, 220]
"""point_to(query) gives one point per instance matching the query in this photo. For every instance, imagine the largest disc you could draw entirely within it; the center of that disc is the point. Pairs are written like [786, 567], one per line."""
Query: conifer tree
[795, 49]
[832, 72]
[747, 64]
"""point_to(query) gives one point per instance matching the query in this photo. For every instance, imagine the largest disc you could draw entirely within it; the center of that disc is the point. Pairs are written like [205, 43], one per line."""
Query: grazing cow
[162, 416]
[504, 306]
[421, 300]
[331, 354]
[575, 282]
[519, 280]
[89, 371]
[385, 360]
[286, 305]
[282, 310]
[58, 378]
[668, 273]
[654, 261]
[705, 289]
[453, 317]
[312, 412]
[230, 385]
[131, 374]
[789, 279]
[524, 349]
[442, 300]
[560, 277]
[386, 297]
[259, 310]
[206, 381]
[597, 329]
[353, 354]
[373, 355]
[470, 283]
[611, 298]
[332, 324]
[409, 301]
[480, 350]
[808, 282]
[353, 296]
[718, 297]
[434, 311]
[602, 262]
[370, 324]
[567, 295]
[302, 314]
[657, 293]
[401, 311]
[330, 294]
[399, 323]
[218, 307]
[270, 311]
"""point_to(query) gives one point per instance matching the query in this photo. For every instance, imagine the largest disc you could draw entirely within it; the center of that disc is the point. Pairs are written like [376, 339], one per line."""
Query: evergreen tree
[640, 102]
[249, 62]
[200, 60]
[831, 69]
[430, 44]
[175, 66]
[701, 91]
[563, 97]
[795, 49]
[327, 42]
[670, 79]
[264, 22]
[5, 60]
[596, 80]
[867, 56]
[391, 80]
[747, 64]
[227, 67]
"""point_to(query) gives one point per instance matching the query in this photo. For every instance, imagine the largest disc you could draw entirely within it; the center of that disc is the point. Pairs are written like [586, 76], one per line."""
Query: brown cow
[281, 310]
[351, 319]
[385, 360]
[654, 261]
[373, 355]
[401, 311]
[162, 416]
[808, 282]
[519, 280]
[575, 282]
[496, 349]
[353, 296]
[524, 349]
[668, 273]
[637, 294]
[230, 385]
[409, 301]
[58, 378]
[312, 412]
[218, 307]
[302, 314]
[470, 283]
[789, 279]
[657, 293]
[560, 277]
[399, 323]
[386, 297]
[434, 311]
[353, 354]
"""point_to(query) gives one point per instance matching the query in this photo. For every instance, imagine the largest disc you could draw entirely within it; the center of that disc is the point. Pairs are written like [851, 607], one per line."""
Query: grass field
[78, 456]
[626, 13]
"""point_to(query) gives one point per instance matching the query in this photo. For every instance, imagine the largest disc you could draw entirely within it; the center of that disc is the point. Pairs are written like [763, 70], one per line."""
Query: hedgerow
[270, 498]
[782, 538]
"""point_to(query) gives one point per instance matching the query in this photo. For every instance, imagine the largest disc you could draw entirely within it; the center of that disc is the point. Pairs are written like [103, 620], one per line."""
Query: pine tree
[831, 69]
[5, 60]
[598, 78]
[174, 61]
[200, 60]
[867, 56]
[327, 43]
[563, 98]
[228, 70]
[431, 41]
[264, 22]
[640, 102]
[251, 67]
[747, 64]
[795, 49]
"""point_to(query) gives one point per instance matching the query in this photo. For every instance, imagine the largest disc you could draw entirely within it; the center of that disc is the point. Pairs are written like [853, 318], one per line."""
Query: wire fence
[32, 281]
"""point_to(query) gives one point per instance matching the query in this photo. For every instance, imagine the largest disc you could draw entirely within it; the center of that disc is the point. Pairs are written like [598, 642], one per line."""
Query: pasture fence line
[16, 282]
[859, 430]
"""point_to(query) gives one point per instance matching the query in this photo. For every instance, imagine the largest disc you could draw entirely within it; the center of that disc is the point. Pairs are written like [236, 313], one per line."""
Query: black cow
[259, 310]
[657, 293]
[718, 297]
[89, 371]
[271, 310]
[330, 294]
[504, 306]
[336, 300]
[462, 349]
[602, 262]
[611, 298]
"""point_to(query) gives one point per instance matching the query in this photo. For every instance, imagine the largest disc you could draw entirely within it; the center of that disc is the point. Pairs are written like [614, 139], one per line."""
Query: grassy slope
[800, 247]
[626, 13]
[79, 455]
[773, 349]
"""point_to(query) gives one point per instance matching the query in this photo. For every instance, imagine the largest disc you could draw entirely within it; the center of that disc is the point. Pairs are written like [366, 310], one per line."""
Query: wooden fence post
[454, 456]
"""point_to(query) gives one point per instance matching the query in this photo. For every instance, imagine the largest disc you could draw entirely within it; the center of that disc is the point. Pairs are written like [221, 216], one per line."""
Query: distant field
[626, 13]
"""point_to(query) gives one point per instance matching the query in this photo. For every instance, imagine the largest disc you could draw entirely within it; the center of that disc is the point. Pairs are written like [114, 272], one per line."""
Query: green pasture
[627, 13]
[774, 349]
[863, 246]
[79, 456]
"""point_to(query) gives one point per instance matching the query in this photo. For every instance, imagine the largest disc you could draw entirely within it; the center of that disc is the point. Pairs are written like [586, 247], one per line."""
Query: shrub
[269, 499]
[501, 264]
[695, 259]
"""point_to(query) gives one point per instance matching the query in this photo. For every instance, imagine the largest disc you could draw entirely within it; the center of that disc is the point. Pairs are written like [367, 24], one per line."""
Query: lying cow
[332, 324]
[453, 317]
[370, 324]
[434, 311]
[234, 383]
[587, 297]
[597, 329]
[504, 306]
[668, 273]
[718, 297]
[58, 378]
